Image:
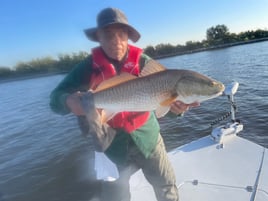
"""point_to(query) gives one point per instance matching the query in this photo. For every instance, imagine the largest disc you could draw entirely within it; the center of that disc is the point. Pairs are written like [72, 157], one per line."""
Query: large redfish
[155, 90]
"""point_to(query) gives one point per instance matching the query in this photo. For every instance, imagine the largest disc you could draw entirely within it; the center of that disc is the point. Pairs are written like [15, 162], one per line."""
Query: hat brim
[133, 34]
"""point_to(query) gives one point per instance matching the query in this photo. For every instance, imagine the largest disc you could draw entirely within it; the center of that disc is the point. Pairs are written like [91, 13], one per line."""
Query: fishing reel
[219, 133]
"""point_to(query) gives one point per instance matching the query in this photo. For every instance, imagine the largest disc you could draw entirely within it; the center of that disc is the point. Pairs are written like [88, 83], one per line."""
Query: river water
[44, 157]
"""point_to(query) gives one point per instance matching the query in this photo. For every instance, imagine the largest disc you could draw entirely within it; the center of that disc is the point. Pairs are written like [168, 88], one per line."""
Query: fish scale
[137, 95]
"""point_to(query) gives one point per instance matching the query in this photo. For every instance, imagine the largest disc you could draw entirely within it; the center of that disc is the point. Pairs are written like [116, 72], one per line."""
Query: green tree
[67, 62]
[164, 49]
[261, 33]
[180, 48]
[5, 72]
[217, 35]
[150, 51]
[23, 68]
[43, 65]
[191, 45]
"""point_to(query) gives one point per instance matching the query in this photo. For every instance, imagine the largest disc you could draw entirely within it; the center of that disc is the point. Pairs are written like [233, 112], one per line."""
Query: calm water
[43, 156]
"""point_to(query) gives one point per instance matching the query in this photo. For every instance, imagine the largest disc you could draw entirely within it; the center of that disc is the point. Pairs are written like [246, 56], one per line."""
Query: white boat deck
[234, 169]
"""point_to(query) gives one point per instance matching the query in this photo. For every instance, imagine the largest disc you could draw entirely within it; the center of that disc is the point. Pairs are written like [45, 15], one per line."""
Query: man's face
[114, 41]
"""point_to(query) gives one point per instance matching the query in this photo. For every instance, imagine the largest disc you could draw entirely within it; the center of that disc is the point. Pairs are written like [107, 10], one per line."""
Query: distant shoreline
[31, 76]
[211, 48]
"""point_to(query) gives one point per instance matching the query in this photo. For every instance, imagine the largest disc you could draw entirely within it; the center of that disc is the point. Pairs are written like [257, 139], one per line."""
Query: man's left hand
[179, 107]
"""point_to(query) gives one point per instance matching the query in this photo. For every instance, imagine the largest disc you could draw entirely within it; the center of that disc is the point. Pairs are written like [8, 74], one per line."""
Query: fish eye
[213, 83]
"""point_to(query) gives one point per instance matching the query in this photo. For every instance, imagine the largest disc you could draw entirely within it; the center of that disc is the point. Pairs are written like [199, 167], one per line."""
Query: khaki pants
[157, 170]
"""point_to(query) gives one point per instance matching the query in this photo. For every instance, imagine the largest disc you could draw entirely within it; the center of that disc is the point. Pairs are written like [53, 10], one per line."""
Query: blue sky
[35, 29]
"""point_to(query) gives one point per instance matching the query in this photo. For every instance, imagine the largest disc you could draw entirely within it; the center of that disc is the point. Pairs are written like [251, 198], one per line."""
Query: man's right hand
[102, 134]
[73, 102]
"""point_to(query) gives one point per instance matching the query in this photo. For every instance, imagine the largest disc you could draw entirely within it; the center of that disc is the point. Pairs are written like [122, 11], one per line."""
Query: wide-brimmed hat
[110, 16]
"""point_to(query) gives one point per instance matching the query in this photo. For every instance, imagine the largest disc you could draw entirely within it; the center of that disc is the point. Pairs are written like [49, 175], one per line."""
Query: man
[131, 139]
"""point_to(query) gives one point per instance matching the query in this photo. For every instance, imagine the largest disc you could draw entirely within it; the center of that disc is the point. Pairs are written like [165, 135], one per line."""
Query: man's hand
[82, 104]
[73, 102]
[179, 107]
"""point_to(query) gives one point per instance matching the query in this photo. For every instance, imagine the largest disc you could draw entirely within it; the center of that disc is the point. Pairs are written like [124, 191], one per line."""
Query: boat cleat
[222, 133]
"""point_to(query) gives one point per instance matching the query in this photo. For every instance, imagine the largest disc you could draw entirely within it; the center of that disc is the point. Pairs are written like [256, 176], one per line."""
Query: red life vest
[103, 70]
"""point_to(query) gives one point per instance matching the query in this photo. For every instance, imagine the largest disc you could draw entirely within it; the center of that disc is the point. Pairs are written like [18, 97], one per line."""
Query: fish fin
[169, 101]
[151, 67]
[106, 116]
[165, 106]
[162, 111]
[123, 77]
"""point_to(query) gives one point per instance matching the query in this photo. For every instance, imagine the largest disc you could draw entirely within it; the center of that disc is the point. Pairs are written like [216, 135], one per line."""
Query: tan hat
[109, 16]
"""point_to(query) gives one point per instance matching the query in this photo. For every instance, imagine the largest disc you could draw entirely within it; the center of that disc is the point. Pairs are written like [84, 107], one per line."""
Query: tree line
[216, 37]
[46, 65]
